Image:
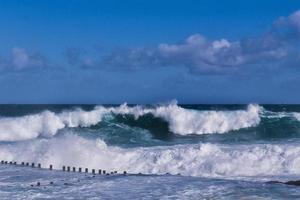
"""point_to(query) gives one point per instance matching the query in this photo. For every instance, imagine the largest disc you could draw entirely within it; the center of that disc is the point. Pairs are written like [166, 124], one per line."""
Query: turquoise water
[220, 151]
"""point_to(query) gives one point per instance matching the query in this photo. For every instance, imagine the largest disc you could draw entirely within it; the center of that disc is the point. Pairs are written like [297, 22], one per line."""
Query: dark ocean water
[239, 146]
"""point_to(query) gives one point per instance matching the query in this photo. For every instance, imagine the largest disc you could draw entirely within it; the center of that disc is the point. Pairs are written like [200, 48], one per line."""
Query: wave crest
[45, 124]
[181, 121]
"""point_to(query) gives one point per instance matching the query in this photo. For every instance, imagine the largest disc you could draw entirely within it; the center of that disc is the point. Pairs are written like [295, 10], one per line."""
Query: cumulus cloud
[20, 59]
[273, 49]
[288, 28]
[276, 48]
[78, 57]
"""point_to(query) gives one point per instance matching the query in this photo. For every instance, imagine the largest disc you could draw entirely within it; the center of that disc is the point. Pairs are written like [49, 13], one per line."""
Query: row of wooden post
[100, 171]
[64, 168]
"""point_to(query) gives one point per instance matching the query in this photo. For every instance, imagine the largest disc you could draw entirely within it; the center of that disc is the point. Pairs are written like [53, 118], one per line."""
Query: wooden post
[74, 169]
[68, 168]
[93, 171]
[79, 169]
[64, 168]
[32, 164]
[124, 172]
[50, 167]
[39, 165]
[86, 170]
[99, 171]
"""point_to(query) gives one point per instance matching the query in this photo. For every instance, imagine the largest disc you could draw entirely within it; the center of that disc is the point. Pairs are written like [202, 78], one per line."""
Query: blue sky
[204, 51]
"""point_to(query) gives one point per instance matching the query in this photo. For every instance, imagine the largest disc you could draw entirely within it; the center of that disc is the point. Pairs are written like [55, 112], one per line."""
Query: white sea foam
[31, 126]
[296, 115]
[181, 121]
[45, 124]
[208, 160]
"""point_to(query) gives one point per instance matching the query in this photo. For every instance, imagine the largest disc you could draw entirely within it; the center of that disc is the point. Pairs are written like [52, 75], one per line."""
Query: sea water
[169, 151]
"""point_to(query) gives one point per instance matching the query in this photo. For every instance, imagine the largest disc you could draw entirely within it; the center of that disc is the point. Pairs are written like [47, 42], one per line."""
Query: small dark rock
[296, 183]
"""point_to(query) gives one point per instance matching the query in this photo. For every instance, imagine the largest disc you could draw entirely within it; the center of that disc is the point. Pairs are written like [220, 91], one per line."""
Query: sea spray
[203, 160]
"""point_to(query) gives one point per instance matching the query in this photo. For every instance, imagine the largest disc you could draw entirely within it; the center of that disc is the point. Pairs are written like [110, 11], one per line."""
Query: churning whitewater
[203, 160]
[242, 141]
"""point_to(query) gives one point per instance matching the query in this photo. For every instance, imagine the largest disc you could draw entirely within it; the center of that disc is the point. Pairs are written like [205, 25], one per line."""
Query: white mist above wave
[181, 121]
[207, 160]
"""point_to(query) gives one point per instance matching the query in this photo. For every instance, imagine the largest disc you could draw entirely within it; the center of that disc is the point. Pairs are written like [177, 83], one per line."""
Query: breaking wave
[208, 160]
[297, 116]
[180, 120]
[45, 124]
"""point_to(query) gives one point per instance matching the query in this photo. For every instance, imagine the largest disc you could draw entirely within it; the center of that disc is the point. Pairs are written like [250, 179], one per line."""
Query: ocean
[169, 151]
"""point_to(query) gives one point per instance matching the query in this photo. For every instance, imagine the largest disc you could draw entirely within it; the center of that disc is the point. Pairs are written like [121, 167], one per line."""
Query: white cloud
[20, 59]
[275, 48]
[219, 44]
[278, 47]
